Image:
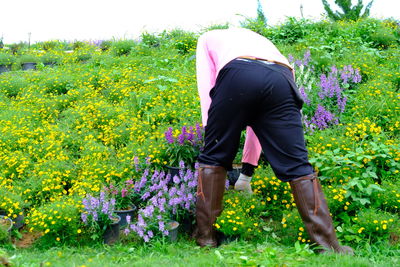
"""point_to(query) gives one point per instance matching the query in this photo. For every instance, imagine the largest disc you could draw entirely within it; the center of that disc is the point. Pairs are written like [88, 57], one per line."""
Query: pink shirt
[214, 50]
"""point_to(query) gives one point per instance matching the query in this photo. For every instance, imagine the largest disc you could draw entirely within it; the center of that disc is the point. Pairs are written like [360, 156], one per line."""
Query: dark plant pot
[5, 68]
[49, 64]
[173, 231]
[7, 222]
[187, 224]
[29, 66]
[225, 239]
[174, 171]
[111, 234]
[123, 213]
[233, 175]
[19, 222]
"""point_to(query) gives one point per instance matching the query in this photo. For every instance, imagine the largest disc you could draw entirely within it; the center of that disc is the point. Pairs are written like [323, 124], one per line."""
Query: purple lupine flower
[140, 221]
[172, 191]
[169, 136]
[104, 209]
[148, 160]
[136, 162]
[329, 86]
[290, 58]
[126, 231]
[182, 165]
[304, 95]
[84, 217]
[145, 196]
[128, 219]
[95, 215]
[341, 103]
[227, 184]
[148, 211]
[306, 58]
[322, 118]
[161, 226]
[190, 135]
[146, 238]
[150, 234]
[182, 136]
[199, 132]
[176, 179]
[357, 76]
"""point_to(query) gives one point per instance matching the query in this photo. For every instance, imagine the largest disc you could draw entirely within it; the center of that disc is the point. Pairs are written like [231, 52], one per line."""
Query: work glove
[243, 184]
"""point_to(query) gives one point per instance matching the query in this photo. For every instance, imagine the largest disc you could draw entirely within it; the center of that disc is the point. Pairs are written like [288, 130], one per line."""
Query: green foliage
[59, 221]
[349, 12]
[184, 42]
[28, 58]
[6, 59]
[275, 194]
[241, 215]
[122, 47]
[373, 225]
[105, 45]
[260, 14]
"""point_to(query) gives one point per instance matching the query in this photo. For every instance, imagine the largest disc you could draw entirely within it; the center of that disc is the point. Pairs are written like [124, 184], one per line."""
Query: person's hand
[243, 184]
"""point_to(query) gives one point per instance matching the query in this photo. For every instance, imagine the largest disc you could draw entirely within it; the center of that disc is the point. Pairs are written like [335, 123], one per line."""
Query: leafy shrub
[382, 39]
[122, 47]
[241, 215]
[59, 221]
[374, 225]
[275, 194]
[184, 42]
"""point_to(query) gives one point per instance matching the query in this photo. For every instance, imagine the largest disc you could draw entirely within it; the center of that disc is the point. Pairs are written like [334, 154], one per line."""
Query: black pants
[252, 93]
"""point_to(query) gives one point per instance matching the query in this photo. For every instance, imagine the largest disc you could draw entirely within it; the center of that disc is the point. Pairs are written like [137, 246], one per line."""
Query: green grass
[186, 253]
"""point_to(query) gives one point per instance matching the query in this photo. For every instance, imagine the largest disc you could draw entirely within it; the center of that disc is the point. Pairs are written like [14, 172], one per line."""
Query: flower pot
[173, 230]
[5, 68]
[49, 64]
[19, 222]
[29, 66]
[174, 171]
[187, 224]
[6, 222]
[123, 213]
[111, 234]
[233, 175]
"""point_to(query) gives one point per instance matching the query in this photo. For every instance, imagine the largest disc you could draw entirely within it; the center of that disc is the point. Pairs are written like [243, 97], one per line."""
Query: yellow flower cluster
[362, 130]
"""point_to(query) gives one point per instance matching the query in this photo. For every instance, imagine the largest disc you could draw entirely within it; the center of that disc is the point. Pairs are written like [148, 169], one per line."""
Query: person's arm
[206, 76]
[252, 148]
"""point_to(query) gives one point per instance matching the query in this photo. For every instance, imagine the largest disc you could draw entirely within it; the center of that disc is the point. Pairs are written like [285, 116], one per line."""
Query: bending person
[244, 81]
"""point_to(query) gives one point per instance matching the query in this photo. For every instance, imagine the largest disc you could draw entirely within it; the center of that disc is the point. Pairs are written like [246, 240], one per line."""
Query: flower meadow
[94, 133]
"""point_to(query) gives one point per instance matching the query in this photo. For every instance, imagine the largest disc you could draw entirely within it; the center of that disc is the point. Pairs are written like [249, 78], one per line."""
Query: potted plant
[50, 59]
[28, 62]
[123, 195]
[5, 228]
[99, 216]
[164, 207]
[184, 146]
[6, 61]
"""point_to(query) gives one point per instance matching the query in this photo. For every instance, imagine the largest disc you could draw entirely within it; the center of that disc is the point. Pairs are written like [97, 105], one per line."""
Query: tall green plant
[349, 12]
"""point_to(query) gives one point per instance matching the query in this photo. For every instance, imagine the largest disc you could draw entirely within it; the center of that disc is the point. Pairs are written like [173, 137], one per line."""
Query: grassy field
[76, 127]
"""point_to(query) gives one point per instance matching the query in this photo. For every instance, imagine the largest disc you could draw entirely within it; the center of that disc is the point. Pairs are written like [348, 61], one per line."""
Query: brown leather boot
[313, 209]
[210, 191]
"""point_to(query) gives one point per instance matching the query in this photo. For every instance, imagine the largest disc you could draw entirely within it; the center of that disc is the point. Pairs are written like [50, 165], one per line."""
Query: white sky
[106, 19]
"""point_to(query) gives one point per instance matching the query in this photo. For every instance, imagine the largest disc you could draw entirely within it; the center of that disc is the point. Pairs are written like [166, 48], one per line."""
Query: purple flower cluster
[324, 100]
[97, 209]
[185, 147]
[323, 118]
[164, 202]
[193, 135]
